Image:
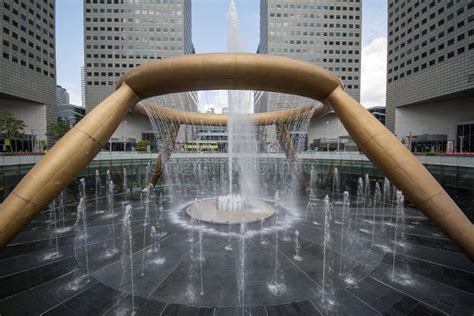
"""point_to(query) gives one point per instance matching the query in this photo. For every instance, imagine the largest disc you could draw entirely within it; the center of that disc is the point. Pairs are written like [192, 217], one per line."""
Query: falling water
[297, 256]
[359, 199]
[377, 197]
[201, 259]
[327, 238]
[242, 142]
[345, 213]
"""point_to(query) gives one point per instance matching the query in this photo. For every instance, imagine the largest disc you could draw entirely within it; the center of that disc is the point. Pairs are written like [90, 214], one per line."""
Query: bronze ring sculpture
[232, 71]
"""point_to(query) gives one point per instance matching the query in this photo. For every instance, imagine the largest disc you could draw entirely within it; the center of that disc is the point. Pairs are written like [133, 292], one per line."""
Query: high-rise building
[65, 110]
[430, 77]
[83, 87]
[62, 96]
[120, 35]
[28, 63]
[323, 32]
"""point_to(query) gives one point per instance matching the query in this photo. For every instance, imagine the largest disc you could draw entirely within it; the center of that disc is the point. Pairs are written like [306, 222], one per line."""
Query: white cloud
[216, 99]
[374, 73]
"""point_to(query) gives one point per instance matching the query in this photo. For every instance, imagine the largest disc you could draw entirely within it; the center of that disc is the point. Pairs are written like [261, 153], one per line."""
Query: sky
[210, 35]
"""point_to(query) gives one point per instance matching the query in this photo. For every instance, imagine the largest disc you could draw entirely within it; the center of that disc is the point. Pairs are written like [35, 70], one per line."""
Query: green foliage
[142, 145]
[58, 129]
[10, 127]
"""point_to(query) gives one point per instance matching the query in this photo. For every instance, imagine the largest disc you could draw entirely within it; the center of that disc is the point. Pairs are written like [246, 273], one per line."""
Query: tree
[10, 127]
[58, 129]
[142, 145]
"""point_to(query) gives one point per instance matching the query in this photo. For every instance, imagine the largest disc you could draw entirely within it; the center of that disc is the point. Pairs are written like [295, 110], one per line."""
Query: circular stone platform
[207, 211]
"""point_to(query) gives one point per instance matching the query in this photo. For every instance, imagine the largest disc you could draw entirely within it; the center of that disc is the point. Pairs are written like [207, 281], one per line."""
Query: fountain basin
[211, 210]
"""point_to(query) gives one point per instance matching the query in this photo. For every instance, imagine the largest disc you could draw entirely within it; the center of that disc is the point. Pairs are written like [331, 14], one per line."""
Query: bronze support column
[403, 169]
[63, 163]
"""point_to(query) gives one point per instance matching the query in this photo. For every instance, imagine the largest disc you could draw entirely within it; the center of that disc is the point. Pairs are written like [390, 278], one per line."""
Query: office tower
[28, 63]
[120, 35]
[323, 32]
[430, 79]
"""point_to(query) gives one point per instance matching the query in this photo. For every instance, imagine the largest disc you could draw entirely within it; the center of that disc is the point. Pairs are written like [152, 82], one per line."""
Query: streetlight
[327, 138]
[125, 138]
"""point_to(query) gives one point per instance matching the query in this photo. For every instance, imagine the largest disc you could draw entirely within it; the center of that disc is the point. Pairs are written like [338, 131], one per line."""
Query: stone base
[206, 210]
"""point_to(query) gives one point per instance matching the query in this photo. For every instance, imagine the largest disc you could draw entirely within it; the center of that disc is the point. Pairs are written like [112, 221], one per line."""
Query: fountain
[335, 185]
[97, 192]
[377, 197]
[262, 239]
[327, 239]
[277, 287]
[111, 214]
[297, 256]
[82, 220]
[385, 198]
[61, 206]
[145, 225]
[241, 271]
[201, 259]
[345, 214]
[125, 184]
[311, 206]
[312, 178]
[228, 247]
[127, 254]
[366, 192]
[359, 200]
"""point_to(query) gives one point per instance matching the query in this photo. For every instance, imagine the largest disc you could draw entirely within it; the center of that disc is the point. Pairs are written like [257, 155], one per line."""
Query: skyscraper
[28, 63]
[323, 32]
[430, 79]
[120, 35]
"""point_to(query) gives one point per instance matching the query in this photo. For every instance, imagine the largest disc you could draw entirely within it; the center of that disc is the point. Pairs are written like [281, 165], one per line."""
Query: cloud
[216, 99]
[374, 73]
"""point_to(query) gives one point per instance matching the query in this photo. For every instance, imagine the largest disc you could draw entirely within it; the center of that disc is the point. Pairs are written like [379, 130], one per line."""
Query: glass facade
[465, 137]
